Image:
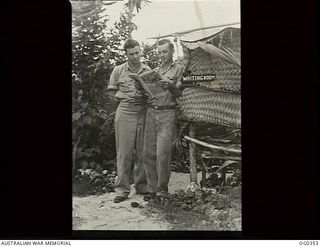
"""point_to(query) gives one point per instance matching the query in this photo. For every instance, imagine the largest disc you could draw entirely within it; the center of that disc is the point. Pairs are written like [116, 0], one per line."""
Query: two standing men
[145, 132]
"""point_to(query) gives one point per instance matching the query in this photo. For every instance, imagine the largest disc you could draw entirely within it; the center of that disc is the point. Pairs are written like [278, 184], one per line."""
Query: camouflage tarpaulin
[202, 105]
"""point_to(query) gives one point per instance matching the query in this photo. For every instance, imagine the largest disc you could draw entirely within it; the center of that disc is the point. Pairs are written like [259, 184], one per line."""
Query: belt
[132, 102]
[162, 107]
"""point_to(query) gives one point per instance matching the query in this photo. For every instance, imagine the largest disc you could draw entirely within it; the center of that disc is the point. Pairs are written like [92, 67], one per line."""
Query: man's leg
[125, 132]
[166, 135]
[149, 152]
[139, 174]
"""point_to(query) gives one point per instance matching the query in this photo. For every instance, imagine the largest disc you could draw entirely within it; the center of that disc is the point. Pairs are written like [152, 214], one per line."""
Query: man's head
[132, 49]
[165, 50]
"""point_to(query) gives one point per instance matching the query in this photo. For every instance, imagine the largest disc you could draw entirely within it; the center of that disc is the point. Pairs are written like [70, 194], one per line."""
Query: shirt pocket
[124, 85]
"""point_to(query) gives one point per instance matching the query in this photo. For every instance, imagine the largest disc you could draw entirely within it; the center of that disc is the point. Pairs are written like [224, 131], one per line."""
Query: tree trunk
[192, 154]
[130, 15]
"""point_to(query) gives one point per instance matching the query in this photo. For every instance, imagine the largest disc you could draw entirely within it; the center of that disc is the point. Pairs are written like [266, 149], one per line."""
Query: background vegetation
[96, 50]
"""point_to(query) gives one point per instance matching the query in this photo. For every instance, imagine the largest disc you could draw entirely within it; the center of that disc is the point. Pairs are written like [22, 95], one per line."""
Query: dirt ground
[101, 213]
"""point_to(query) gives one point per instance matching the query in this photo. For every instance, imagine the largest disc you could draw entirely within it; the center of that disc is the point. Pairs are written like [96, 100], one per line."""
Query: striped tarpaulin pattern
[217, 101]
[228, 76]
[207, 106]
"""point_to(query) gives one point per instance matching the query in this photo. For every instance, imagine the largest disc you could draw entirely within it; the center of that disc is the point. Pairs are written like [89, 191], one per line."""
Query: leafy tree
[132, 5]
[94, 55]
[149, 54]
[116, 37]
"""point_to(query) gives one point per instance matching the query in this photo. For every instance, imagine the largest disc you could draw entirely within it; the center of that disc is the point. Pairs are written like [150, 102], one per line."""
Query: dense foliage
[149, 55]
[95, 53]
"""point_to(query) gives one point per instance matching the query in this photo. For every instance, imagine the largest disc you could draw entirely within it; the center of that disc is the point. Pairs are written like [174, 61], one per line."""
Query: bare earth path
[100, 213]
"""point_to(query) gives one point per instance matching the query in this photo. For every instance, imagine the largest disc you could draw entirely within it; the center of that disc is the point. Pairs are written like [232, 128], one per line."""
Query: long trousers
[129, 132]
[160, 132]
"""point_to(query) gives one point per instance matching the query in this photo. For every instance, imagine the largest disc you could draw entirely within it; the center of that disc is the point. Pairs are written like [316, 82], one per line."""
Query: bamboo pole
[211, 145]
[192, 154]
[192, 30]
[199, 16]
[227, 157]
[204, 174]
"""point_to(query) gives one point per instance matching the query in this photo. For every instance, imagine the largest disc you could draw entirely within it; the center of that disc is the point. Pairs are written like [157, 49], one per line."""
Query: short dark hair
[130, 43]
[166, 41]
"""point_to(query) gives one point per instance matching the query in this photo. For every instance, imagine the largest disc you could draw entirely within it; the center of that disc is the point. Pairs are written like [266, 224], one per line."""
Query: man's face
[134, 54]
[165, 53]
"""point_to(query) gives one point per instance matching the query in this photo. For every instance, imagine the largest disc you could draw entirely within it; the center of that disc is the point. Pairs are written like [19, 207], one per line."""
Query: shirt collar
[169, 67]
[142, 67]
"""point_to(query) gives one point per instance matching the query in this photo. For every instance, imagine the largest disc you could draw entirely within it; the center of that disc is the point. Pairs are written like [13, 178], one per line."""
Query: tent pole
[192, 154]
[192, 30]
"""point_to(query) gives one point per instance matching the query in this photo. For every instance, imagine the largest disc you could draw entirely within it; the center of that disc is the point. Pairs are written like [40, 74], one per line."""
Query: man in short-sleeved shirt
[161, 123]
[124, 86]
[129, 122]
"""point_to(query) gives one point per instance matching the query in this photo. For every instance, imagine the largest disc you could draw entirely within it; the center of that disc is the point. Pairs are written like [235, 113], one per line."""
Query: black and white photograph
[156, 115]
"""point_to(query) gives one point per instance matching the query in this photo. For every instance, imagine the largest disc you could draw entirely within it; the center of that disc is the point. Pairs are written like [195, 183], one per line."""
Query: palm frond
[136, 4]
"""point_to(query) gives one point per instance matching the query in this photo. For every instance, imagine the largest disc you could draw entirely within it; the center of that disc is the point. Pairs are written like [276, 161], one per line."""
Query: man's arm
[174, 90]
[174, 87]
[114, 84]
[111, 94]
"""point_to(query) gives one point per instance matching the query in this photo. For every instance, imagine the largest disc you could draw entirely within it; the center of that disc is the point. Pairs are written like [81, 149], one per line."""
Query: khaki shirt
[125, 86]
[174, 75]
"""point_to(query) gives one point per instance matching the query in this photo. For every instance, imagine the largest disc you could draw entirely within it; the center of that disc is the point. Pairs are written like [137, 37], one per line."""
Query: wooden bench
[233, 156]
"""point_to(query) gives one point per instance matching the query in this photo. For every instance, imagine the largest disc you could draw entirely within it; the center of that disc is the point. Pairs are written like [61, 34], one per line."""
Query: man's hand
[135, 77]
[165, 84]
[172, 88]
[112, 93]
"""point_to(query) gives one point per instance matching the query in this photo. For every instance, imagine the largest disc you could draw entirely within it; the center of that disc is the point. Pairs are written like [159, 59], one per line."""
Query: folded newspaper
[147, 82]
[150, 76]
